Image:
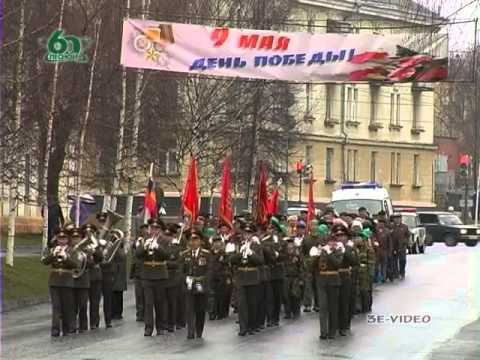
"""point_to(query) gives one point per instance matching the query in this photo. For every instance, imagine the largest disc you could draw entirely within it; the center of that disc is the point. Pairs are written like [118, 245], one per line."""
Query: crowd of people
[260, 272]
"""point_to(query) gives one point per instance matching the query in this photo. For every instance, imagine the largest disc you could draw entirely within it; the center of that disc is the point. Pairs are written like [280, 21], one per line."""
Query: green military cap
[209, 232]
[366, 233]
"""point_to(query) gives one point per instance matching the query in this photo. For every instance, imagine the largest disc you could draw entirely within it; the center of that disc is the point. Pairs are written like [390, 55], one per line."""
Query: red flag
[150, 201]
[273, 202]
[262, 197]
[225, 212]
[190, 193]
[369, 56]
[311, 203]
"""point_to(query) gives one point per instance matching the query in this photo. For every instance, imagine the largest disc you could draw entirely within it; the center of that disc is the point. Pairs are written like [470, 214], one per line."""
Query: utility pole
[286, 172]
[465, 208]
[476, 126]
[300, 177]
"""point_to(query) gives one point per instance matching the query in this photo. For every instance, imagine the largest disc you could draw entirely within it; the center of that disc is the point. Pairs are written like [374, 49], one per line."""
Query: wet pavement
[442, 286]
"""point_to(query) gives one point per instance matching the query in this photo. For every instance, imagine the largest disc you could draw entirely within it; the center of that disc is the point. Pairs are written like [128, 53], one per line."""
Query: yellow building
[365, 132]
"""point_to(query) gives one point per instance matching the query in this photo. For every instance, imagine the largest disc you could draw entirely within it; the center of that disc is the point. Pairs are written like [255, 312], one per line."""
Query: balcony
[331, 122]
[422, 86]
[395, 127]
[352, 123]
[375, 126]
[417, 130]
[309, 118]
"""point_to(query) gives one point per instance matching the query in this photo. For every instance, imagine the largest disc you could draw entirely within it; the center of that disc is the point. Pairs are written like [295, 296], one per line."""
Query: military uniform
[81, 286]
[400, 238]
[350, 261]
[197, 269]
[247, 278]
[60, 283]
[308, 286]
[95, 290]
[277, 256]
[172, 285]
[382, 237]
[364, 278]
[136, 270]
[154, 276]
[264, 290]
[294, 280]
[221, 280]
[227, 299]
[119, 282]
[181, 243]
[371, 263]
[108, 276]
[326, 264]
[354, 294]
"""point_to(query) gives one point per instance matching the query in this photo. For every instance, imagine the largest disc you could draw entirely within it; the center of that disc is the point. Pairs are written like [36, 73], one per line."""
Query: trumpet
[245, 249]
[60, 253]
[152, 243]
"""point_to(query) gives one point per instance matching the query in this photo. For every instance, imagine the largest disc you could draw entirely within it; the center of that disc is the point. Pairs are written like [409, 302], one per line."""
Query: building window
[329, 90]
[308, 154]
[373, 166]
[374, 95]
[416, 110]
[352, 165]
[310, 25]
[395, 108]
[351, 104]
[309, 100]
[416, 170]
[167, 163]
[335, 26]
[395, 169]
[280, 165]
[329, 164]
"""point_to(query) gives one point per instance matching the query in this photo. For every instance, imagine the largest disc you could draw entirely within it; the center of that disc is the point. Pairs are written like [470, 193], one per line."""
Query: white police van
[351, 196]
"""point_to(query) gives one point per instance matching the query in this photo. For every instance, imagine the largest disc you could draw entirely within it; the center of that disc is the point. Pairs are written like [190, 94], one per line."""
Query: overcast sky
[461, 35]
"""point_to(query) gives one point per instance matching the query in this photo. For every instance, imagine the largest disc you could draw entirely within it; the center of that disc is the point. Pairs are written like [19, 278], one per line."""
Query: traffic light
[300, 167]
[464, 163]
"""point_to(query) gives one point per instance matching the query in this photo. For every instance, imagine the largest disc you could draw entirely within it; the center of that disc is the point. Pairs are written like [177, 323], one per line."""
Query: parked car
[297, 210]
[448, 228]
[417, 231]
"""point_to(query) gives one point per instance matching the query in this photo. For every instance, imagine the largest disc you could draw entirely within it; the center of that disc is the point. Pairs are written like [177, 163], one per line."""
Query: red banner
[262, 197]
[190, 193]
[225, 211]
[150, 201]
[273, 202]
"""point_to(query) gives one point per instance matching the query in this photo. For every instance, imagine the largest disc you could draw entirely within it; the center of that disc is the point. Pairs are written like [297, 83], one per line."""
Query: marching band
[182, 274]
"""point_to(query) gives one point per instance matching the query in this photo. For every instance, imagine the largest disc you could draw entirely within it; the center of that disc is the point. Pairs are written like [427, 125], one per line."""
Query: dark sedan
[448, 228]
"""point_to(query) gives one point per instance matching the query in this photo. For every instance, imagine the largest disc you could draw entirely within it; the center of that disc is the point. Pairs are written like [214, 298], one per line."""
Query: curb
[22, 303]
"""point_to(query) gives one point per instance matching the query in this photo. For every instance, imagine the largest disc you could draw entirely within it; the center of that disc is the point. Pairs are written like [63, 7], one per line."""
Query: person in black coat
[196, 263]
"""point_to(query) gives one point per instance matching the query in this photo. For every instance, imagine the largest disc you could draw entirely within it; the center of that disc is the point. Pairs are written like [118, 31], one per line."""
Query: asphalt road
[443, 284]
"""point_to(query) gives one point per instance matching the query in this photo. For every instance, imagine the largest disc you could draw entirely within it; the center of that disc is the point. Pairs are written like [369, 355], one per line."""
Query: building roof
[408, 11]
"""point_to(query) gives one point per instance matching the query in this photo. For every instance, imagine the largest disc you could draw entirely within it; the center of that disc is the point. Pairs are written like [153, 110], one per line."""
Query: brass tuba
[117, 238]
